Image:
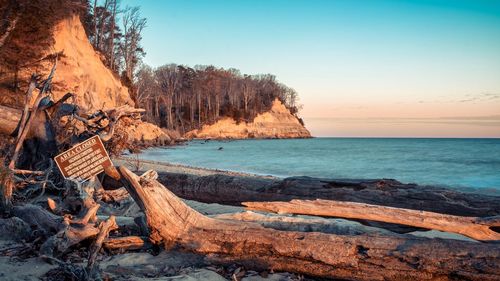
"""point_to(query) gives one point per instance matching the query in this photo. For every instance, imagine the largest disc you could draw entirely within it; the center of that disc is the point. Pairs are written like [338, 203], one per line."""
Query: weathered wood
[127, 243]
[352, 257]
[38, 218]
[114, 116]
[60, 243]
[233, 190]
[473, 227]
[27, 100]
[24, 128]
[90, 215]
[6, 189]
[309, 224]
[14, 228]
[104, 229]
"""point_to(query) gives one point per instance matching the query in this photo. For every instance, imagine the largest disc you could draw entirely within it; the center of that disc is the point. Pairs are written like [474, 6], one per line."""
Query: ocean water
[465, 164]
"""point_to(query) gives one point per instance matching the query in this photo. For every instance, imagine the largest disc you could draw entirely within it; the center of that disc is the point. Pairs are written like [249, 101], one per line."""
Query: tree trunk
[473, 227]
[352, 257]
[94, 24]
[233, 190]
[199, 109]
[112, 37]
[170, 123]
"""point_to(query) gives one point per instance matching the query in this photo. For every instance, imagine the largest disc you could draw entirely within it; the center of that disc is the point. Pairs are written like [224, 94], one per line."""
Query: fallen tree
[473, 227]
[233, 190]
[352, 257]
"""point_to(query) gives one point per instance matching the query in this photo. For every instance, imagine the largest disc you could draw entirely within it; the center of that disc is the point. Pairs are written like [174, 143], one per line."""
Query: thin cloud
[486, 120]
[481, 97]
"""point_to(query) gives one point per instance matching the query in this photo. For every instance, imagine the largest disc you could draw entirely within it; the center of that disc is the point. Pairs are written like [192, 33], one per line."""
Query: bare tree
[131, 51]
[169, 81]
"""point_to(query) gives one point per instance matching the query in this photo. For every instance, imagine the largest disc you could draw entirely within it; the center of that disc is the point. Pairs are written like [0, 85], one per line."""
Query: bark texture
[473, 227]
[233, 190]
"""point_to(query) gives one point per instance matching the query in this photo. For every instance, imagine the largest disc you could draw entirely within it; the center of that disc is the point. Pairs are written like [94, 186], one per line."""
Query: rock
[278, 123]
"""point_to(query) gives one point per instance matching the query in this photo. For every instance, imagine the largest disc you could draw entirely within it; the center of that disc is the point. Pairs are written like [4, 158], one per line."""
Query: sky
[362, 68]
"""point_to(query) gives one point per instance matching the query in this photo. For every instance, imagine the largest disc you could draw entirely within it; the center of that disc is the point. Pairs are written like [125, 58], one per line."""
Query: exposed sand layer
[81, 71]
[278, 123]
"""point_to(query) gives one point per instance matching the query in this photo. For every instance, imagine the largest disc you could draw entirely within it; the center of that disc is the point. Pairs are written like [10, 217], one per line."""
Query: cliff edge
[277, 123]
[81, 72]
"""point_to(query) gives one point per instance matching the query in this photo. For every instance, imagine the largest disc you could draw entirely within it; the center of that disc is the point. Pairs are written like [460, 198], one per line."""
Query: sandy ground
[166, 266]
[144, 165]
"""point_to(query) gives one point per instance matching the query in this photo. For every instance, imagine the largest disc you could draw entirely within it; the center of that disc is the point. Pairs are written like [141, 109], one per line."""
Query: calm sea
[466, 164]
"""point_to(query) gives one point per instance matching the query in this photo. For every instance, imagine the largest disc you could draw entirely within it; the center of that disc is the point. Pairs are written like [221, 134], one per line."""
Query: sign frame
[99, 143]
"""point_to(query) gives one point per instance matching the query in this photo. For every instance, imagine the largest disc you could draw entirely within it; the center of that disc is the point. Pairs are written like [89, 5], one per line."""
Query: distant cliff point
[278, 123]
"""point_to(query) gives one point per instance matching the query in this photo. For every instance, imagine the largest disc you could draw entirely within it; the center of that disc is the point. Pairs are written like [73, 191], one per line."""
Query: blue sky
[348, 59]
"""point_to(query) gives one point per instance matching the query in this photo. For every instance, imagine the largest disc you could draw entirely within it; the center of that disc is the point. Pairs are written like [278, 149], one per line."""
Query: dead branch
[24, 128]
[104, 229]
[90, 215]
[26, 111]
[114, 116]
[473, 227]
[127, 243]
[64, 239]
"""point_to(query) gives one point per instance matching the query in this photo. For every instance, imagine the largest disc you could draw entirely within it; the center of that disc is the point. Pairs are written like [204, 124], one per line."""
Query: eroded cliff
[278, 122]
[80, 71]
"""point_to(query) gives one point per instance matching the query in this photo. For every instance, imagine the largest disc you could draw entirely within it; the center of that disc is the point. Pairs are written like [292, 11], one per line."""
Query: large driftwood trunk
[473, 227]
[350, 257]
[233, 190]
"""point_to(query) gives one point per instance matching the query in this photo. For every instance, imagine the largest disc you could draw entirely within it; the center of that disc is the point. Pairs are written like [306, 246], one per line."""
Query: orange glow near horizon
[405, 119]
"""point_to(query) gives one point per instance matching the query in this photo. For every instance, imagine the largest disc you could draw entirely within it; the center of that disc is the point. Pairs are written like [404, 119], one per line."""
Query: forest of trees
[175, 96]
[184, 98]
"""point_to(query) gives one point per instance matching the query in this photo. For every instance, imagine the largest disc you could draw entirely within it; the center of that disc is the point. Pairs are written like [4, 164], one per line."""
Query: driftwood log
[127, 243]
[233, 190]
[352, 257]
[473, 227]
[104, 228]
[308, 224]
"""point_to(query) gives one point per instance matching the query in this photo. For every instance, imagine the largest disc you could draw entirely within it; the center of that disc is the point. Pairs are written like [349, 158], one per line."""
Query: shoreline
[168, 167]
[220, 208]
[181, 168]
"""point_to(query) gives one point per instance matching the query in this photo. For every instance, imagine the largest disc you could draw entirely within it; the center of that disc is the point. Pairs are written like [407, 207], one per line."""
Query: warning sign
[84, 160]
